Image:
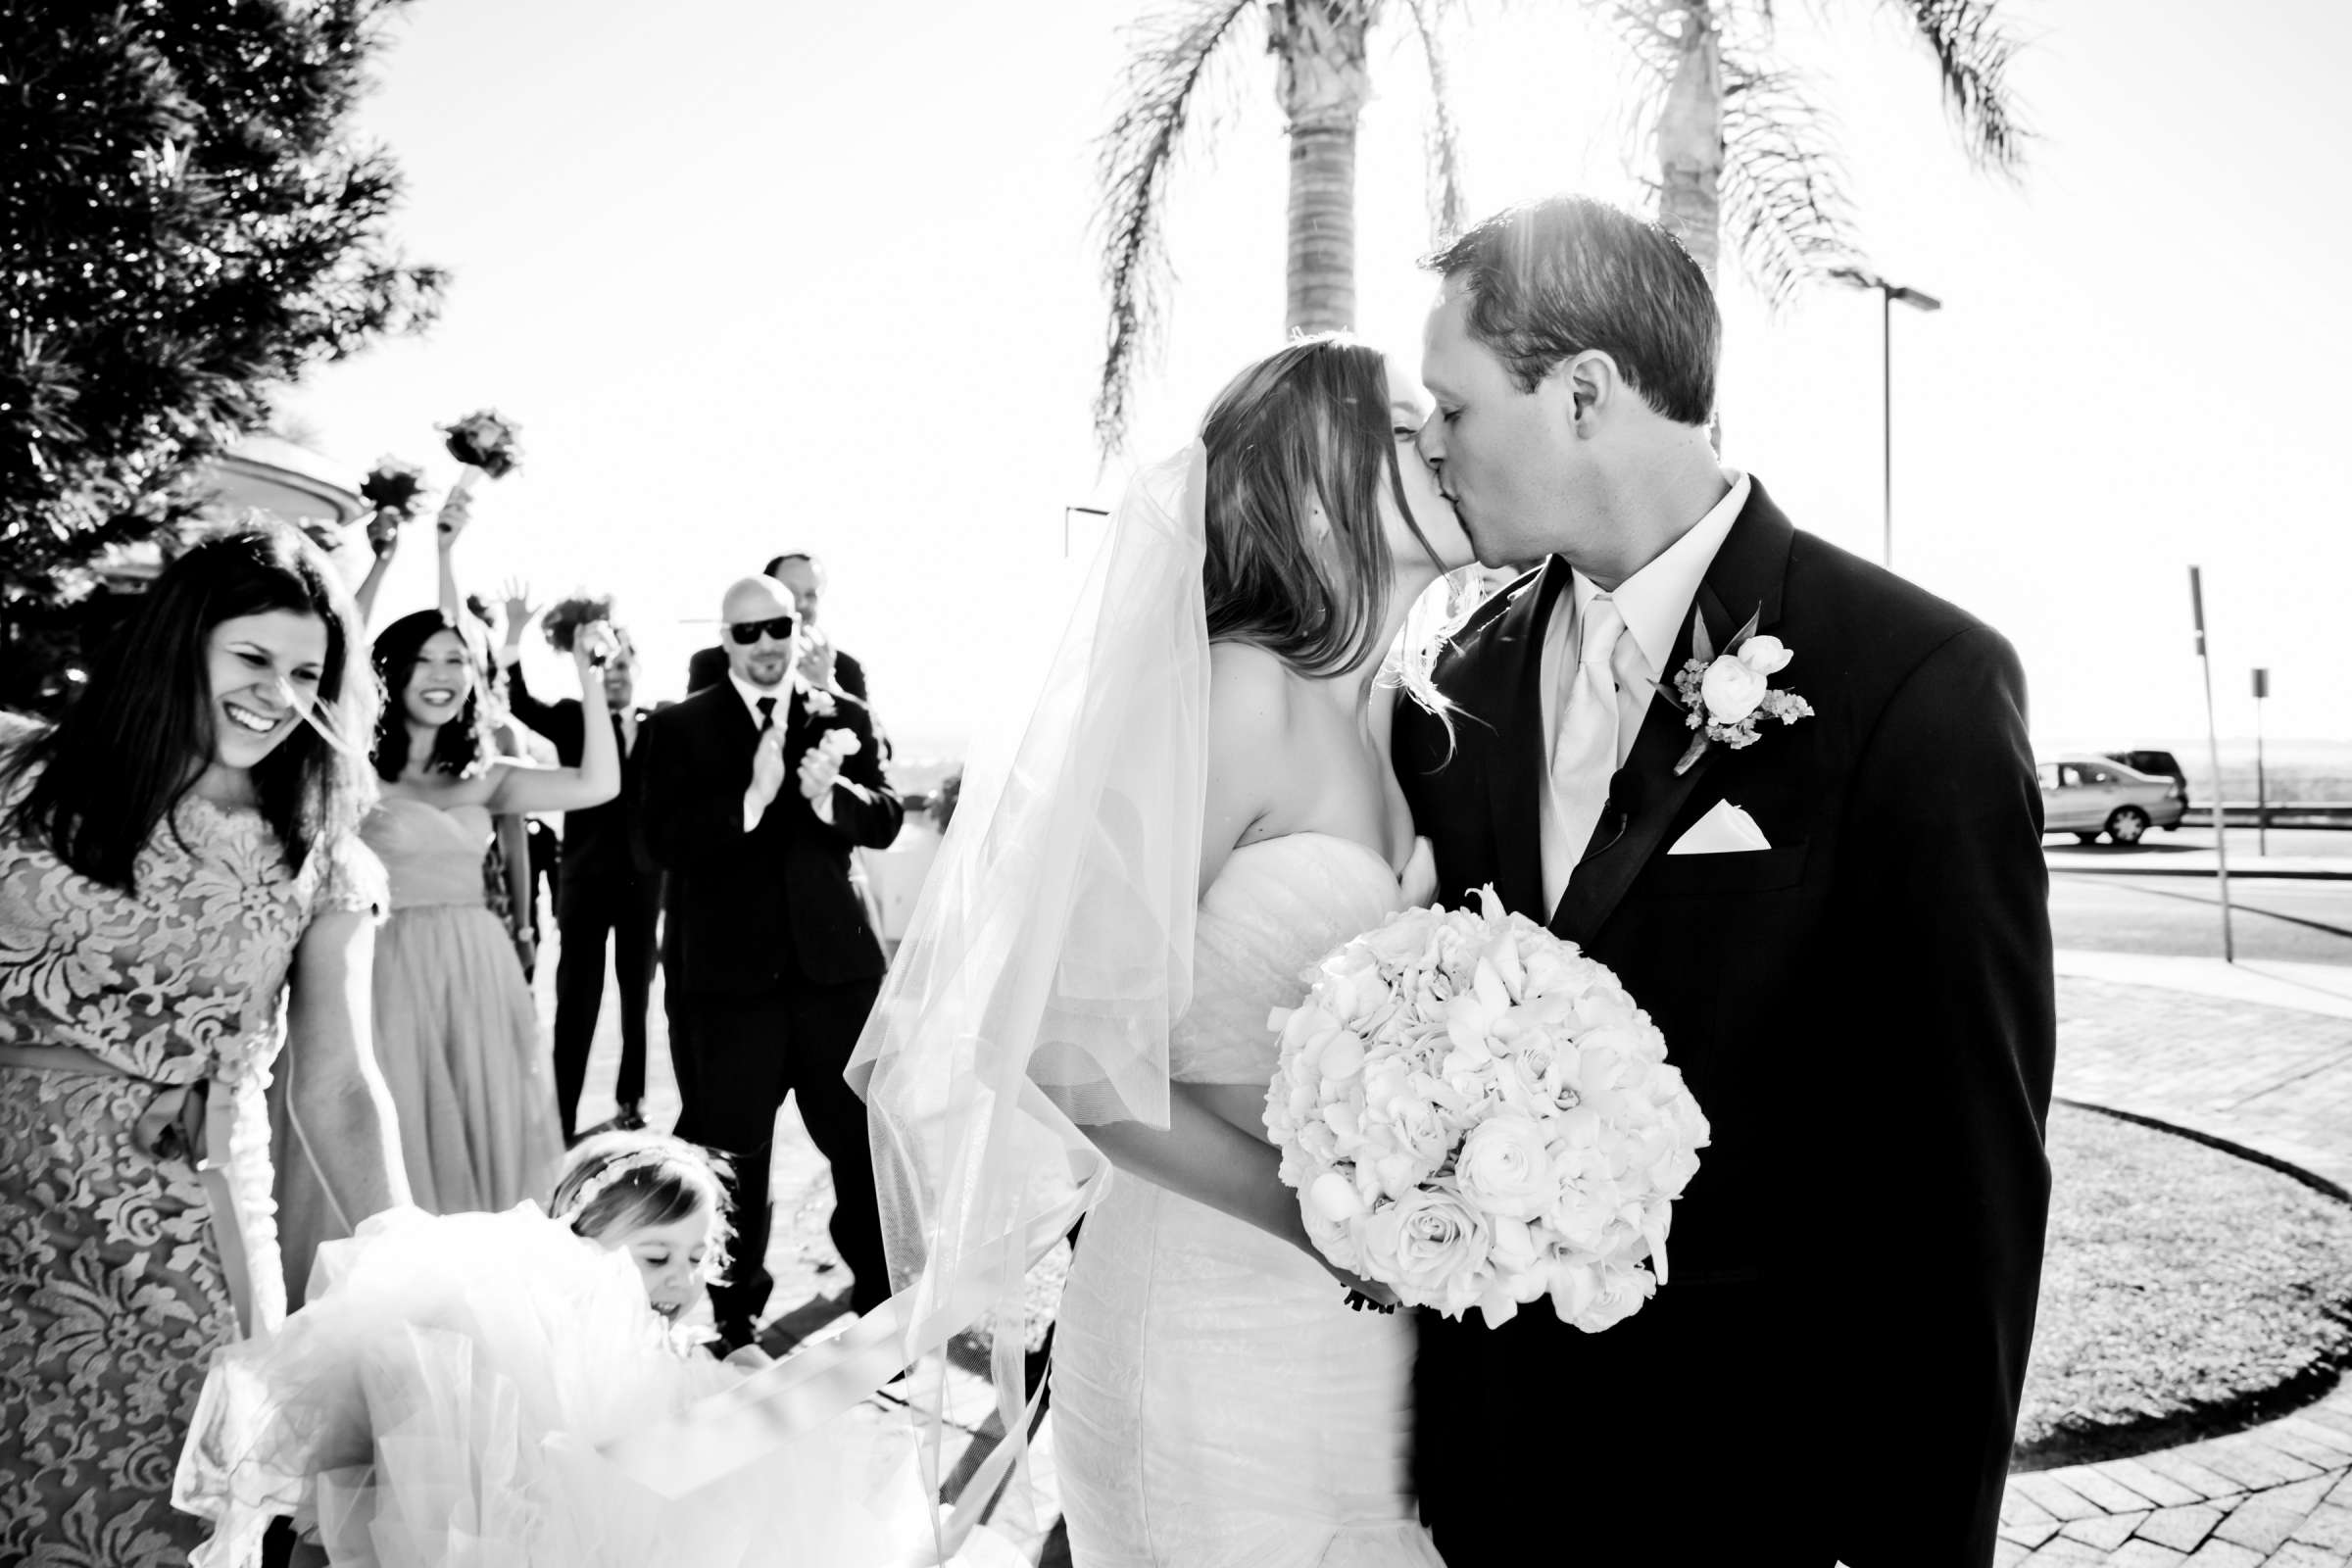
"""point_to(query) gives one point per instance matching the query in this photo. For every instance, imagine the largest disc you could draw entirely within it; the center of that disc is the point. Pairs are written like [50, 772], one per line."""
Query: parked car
[2156, 765]
[2088, 796]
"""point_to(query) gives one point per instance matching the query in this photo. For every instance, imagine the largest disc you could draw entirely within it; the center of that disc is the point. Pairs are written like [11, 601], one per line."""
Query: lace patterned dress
[1215, 1402]
[115, 1283]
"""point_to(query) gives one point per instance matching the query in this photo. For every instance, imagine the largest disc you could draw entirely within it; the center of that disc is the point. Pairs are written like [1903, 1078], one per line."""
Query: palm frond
[1786, 209]
[1170, 58]
[1973, 51]
[1449, 208]
[1651, 49]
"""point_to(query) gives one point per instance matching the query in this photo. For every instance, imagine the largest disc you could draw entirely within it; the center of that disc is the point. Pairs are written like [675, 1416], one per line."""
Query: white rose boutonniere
[817, 701]
[1724, 697]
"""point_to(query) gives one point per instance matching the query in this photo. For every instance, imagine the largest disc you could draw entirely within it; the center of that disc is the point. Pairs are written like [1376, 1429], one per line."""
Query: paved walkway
[2260, 1055]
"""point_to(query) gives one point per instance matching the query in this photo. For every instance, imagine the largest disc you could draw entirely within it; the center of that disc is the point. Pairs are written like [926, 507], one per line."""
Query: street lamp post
[2262, 789]
[1918, 300]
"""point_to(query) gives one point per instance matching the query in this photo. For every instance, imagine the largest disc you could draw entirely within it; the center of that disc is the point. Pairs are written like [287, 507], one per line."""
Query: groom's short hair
[1551, 280]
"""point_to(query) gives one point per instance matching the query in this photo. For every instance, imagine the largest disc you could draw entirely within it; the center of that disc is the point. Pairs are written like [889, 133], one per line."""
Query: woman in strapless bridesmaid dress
[456, 1032]
[1216, 1402]
[455, 1028]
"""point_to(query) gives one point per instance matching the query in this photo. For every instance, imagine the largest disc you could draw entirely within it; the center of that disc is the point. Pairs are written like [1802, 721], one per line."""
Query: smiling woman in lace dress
[176, 854]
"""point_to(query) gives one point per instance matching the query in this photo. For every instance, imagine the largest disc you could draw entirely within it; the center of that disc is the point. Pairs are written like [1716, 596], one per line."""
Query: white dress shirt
[1656, 604]
[750, 695]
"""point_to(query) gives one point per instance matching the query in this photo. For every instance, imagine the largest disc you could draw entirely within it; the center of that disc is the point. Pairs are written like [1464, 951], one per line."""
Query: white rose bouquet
[1476, 1115]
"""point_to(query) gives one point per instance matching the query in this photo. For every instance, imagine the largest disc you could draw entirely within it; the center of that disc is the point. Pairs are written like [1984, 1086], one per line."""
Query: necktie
[1584, 753]
[767, 714]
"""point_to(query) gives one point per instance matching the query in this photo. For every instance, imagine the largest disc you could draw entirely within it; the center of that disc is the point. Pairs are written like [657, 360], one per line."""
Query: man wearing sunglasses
[770, 961]
[822, 663]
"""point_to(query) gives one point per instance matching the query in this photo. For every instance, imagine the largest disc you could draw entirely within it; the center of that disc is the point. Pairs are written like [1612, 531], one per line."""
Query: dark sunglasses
[780, 627]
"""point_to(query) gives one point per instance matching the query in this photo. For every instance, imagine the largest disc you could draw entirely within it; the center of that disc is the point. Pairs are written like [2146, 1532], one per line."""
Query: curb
[2136, 869]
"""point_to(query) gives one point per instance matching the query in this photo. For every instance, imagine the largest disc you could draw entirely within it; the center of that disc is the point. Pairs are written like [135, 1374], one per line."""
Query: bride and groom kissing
[1786, 796]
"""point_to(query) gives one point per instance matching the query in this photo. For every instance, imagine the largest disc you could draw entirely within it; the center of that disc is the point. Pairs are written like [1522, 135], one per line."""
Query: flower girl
[663, 1202]
[442, 1397]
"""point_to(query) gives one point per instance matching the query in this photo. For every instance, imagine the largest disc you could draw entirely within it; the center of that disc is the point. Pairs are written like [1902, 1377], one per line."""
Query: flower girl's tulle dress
[439, 1401]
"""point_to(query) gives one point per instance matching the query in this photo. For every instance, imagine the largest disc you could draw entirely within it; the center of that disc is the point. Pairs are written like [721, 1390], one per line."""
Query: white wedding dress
[440, 1402]
[1214, 1400]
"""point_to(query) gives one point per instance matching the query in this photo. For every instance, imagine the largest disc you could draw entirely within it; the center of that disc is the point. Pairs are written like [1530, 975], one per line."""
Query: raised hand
[520, 608]
[383, 532]
[592, 645]
[816, 658]
[455, 512]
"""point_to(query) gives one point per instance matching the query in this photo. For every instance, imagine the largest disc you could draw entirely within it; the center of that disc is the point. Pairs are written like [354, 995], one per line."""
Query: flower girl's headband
[595, 1185]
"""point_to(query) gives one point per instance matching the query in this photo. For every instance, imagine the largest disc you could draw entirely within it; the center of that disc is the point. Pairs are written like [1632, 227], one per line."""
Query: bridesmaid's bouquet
[565, 616]
[486, 441]
[393, 486]
[1476, 1115]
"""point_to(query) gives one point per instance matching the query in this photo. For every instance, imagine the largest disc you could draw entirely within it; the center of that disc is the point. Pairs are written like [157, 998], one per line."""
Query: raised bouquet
[393, 486]
[565, 616]
[1476, 1115]
[485, 441]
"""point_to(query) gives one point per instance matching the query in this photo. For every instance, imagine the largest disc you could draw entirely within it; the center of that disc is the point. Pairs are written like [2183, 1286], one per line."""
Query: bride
[1200, 806]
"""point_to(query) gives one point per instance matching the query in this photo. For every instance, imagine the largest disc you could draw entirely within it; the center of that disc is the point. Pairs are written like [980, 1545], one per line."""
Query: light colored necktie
[1584, 753]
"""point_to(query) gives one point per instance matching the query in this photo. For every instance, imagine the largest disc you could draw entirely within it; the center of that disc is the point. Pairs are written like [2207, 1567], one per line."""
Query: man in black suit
[750, 794]
[1839, 927]
[601, 891]
[823, 665]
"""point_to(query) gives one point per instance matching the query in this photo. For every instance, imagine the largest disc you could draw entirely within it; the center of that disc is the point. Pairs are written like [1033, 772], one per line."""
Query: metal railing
[2278, 814]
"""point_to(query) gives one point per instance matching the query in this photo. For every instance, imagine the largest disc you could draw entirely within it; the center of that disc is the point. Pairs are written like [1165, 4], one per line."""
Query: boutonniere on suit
[817, 701]
[1724, 697]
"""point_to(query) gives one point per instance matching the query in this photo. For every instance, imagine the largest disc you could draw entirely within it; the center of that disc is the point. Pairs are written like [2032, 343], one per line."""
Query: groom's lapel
[1645, 795]
[1514, 784]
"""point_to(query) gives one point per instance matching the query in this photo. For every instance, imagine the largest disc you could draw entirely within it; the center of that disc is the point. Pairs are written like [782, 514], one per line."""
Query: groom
[1840, 928]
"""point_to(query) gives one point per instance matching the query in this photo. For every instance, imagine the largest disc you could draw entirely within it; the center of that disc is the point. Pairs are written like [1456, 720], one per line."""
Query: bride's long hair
[1309, 425]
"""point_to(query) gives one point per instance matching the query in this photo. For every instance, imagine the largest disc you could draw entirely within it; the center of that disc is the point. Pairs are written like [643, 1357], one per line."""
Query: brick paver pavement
[2276, 1080]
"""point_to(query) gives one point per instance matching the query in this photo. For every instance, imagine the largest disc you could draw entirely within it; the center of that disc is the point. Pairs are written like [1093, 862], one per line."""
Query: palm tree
[1744, 146]
[1322, 81]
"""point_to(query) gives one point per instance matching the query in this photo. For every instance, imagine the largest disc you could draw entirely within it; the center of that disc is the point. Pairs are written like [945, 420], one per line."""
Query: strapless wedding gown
[1214, 1400]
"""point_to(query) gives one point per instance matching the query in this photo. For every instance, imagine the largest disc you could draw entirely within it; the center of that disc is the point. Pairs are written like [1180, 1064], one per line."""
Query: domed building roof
[271, 473]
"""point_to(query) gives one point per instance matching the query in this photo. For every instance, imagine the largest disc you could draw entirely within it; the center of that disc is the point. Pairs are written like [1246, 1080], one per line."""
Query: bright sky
[755, 277]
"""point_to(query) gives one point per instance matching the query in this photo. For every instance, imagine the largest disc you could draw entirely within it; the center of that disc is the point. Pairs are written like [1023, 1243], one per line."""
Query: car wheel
[2127, 824]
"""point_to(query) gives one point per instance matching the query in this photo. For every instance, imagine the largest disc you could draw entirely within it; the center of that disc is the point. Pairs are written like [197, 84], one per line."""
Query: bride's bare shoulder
[1250, 692]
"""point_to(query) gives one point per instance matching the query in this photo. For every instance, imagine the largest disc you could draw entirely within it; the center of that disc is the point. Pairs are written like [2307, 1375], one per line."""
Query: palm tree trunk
[1690, 143]
[1323, 86]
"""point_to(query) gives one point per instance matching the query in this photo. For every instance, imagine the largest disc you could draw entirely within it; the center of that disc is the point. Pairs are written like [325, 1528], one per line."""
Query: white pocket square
[1725, 830]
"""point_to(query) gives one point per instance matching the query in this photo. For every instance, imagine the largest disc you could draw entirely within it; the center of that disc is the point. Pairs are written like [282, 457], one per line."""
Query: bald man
[751, 796]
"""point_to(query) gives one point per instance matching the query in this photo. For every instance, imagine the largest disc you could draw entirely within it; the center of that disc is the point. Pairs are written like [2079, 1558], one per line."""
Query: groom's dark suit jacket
[1863, 1010]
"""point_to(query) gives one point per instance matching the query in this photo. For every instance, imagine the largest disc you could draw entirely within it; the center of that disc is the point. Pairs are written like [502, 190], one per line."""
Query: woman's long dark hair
[1305, 425]
[460, 746]
[142, 733]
